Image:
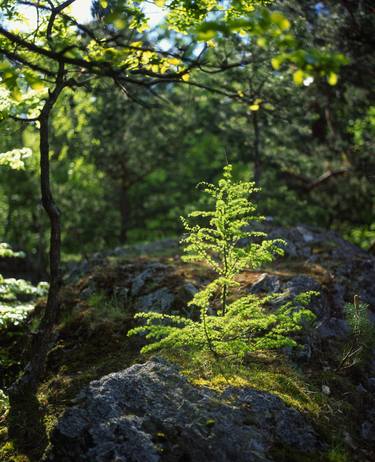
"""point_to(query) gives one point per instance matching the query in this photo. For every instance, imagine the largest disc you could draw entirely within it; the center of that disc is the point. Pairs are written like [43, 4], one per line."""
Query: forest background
[124, 168]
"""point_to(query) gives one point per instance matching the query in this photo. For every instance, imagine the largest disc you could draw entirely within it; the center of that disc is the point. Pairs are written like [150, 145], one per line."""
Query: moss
[338, 454]
[27, 430]
[335, 454]
[8, 453]
[269, 372]
[102, 307]
[283, 454]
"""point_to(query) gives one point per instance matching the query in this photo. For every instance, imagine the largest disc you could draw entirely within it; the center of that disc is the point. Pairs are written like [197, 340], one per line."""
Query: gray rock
[333, 328]
[371, 384]
[368, 431]
[368, 425]
[297, 240]
[184, 295]
[121, 293]
[154, 271]
[88, 291]
[161, 301]
[371, 363]
[150, 413]
[307, 235]
[361, 389]
[160, 246]
[188, 290]
[266, 283]
[298, 285]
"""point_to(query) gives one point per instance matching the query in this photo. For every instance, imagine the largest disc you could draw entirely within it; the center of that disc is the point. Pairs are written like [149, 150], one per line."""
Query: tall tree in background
[130, 143]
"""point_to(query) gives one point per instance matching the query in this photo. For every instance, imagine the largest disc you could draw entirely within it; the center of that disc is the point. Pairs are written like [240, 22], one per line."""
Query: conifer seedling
[224, 239]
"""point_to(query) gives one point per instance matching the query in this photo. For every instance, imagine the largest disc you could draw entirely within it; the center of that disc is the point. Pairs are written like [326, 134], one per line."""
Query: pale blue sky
[81, 11]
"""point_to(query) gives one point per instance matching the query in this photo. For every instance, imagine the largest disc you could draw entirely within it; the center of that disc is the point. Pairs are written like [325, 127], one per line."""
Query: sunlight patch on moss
[8, 453]
[268, 372]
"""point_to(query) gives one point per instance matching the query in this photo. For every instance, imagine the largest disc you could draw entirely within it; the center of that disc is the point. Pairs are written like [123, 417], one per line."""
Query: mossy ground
[92, 342]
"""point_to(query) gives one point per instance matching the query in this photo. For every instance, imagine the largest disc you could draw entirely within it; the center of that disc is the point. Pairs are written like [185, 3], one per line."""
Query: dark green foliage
[362, 337]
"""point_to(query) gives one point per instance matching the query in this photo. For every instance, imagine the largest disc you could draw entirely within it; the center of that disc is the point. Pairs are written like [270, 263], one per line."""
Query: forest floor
[97, 310]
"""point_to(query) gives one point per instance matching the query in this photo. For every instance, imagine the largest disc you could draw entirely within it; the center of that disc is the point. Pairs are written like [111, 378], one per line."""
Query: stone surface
[154, 272]
[266, 283]
[160, 300]
[150, 413]
[368, 427]
[333, 328]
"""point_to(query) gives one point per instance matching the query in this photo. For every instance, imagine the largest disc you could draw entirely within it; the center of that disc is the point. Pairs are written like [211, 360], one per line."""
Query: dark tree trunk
[256, 148]
[41, 258]
[25, 423]
[8, 223]
[124, 205]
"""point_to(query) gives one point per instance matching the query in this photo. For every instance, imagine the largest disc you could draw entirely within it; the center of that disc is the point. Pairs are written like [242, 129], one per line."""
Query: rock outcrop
[150, 412]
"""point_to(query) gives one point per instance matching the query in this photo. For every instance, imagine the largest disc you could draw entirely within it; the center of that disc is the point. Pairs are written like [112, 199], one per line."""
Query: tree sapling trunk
[24, 417]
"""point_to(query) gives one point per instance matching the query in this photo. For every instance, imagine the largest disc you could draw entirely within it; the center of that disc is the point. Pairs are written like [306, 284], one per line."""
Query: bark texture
[25, 419]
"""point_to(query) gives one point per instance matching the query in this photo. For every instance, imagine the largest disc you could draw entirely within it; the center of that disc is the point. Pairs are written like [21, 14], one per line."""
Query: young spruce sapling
[222, 238]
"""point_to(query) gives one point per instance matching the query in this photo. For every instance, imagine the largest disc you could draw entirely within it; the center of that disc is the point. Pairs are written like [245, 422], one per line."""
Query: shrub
[16, 299]
[223, 239]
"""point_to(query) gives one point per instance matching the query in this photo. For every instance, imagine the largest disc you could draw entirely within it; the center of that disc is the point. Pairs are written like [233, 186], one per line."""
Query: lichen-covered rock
[368, 426]
[266, 283]
[351, 269]
[343, 270]
[333, 328]
[153, 271]
[160, 300]
[151, 413]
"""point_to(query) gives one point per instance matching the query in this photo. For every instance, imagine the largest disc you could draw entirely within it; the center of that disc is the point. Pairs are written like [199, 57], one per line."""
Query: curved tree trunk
[24, 419]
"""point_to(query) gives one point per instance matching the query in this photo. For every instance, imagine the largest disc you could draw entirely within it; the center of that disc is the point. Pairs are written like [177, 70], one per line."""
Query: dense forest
[187, 230]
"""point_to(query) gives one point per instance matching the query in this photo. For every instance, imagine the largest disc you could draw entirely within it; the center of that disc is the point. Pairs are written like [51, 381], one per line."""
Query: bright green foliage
[217, 242]
[4, 402]
[357, 316]
[15, 158]
[16, 300]
[16, 295]
[273, 29]
[227, 327]
[7, 251]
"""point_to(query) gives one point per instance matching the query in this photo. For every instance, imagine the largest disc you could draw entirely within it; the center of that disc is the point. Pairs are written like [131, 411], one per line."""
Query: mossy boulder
[150, 412]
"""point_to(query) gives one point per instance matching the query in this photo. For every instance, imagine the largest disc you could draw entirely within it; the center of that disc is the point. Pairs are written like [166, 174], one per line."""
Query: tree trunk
[25, 423]
[124, 205]
[8, 223]
[256, 148]
[41, 264]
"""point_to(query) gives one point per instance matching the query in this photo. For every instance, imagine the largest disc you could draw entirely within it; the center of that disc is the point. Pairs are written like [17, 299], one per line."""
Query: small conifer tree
[222, 240]
[362, 335]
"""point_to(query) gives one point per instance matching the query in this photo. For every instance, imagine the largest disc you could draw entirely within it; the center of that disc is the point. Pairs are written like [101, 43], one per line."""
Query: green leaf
[298, 77]
[332, 78]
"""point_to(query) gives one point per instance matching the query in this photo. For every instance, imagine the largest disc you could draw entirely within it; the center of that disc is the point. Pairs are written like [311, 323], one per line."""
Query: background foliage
[307, 138]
